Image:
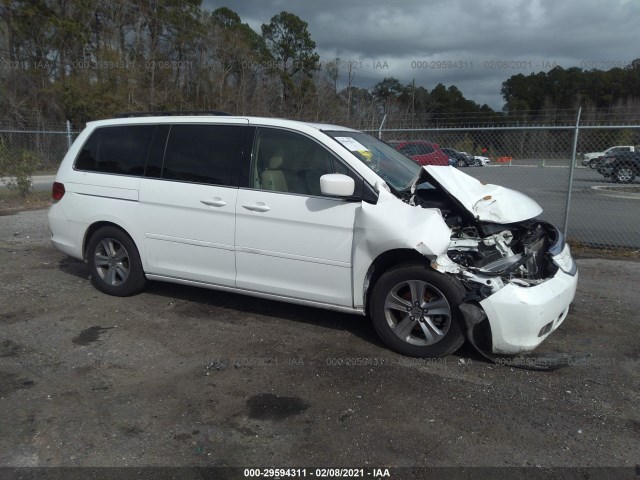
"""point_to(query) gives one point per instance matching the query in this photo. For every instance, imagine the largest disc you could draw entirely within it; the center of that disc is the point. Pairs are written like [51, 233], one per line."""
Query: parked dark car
[421, 151]
[594, 159]
[462, 159]
[621, 167]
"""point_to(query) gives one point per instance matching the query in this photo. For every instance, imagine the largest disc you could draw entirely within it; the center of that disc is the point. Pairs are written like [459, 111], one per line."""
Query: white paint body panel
[300, 247]
[390, 225]
[92, 198]
[517, 314]
[185, 237]
[487, 202]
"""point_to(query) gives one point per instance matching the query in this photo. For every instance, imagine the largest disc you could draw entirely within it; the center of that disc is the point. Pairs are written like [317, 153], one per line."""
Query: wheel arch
[132, 278]
[94, 227]
[383, 262]
[406, 270]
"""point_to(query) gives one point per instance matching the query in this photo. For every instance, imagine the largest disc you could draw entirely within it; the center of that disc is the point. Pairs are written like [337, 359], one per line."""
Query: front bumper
[606, 170]
[521, 318]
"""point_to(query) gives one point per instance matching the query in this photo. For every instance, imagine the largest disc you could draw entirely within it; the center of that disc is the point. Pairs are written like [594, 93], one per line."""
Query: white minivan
[318, 215]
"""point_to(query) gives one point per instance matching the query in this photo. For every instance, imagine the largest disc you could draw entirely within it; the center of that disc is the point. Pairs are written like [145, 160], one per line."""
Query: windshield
[393, 167]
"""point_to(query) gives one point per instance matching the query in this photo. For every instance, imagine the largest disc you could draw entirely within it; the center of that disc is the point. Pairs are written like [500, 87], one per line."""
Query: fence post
[69, 134]
[571, 171]
[381, 125]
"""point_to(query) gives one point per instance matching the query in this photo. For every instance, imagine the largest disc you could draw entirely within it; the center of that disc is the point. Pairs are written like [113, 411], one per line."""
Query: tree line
[80, 60]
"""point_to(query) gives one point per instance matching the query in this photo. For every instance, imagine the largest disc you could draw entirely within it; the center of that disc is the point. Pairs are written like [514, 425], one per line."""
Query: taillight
[57, 192]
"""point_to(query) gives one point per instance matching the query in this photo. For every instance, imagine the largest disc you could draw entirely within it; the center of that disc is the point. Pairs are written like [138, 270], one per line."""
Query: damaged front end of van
[517, 271]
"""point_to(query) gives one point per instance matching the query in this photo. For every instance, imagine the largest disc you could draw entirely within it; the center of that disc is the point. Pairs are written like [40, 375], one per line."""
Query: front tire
[415, 312]
[593, 163]
[115, 263]
[462, 163]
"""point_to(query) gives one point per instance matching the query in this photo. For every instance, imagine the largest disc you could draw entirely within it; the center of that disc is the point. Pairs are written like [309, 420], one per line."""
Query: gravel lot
[181, 376]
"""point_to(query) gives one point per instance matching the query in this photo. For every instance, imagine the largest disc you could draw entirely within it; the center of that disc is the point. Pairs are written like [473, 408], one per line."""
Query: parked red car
[421, 151]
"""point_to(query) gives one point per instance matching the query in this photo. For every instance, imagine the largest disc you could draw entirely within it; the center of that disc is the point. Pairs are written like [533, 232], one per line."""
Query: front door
[290, 240]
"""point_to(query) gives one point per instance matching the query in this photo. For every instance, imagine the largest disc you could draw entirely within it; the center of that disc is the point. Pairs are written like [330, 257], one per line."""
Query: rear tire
[624, 175]
[593, 163]
[115, 263]
[462, 163]
[415, 311]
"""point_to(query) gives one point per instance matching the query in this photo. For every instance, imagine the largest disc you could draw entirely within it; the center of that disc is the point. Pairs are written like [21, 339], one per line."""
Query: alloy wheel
[624, 175]
[417, 312]
[112, 262]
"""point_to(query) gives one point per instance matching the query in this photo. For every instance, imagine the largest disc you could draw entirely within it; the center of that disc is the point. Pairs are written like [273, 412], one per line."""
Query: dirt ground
[181, 376]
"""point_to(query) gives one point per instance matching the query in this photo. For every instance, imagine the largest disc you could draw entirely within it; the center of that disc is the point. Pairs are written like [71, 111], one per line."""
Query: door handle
[257, 207]
[216, 202]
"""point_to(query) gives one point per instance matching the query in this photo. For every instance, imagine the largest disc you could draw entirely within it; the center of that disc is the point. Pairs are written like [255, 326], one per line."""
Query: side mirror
[337, 185]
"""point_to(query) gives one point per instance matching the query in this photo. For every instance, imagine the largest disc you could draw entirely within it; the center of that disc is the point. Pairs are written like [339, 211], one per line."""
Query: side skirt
[268, 296]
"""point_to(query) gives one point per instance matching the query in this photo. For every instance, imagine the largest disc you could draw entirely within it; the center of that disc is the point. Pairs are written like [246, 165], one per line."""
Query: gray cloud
[488, 40]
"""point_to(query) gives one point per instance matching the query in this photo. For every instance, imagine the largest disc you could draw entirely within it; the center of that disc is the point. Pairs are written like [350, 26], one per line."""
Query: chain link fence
[595, 205]
[29, 160]
[566, 169]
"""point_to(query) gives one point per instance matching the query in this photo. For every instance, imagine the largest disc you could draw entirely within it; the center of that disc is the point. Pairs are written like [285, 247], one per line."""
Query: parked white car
[481, 161]
[317, 215]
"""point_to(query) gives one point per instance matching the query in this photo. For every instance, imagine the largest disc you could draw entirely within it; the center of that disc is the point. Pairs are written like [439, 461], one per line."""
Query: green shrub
[17, 166]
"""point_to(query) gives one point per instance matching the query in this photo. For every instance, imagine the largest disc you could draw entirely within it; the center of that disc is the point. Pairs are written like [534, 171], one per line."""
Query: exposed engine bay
[484, 255]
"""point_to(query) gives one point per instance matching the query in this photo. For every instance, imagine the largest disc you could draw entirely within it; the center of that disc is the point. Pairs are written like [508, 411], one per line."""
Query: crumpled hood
[486, 202]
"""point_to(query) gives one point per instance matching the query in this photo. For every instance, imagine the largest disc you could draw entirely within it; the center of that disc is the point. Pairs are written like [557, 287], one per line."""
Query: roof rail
[171, 113]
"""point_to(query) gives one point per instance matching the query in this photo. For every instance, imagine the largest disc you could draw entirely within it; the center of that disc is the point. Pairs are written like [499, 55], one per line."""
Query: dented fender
[391, 224]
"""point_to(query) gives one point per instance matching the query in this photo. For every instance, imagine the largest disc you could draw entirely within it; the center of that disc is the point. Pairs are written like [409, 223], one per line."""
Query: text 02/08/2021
[317, 472]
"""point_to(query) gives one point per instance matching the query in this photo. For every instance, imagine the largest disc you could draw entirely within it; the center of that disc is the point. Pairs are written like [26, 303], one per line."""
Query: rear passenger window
[203, 153]
[121, 150]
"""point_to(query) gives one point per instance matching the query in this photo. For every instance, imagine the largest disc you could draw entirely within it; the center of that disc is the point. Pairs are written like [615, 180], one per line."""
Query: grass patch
[12, 202]
[583, 250]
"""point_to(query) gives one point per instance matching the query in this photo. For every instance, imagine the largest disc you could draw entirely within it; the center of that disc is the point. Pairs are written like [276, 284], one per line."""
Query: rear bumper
[67, 236]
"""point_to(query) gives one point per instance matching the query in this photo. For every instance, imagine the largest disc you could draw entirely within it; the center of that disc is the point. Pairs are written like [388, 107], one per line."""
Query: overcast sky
[479, 43]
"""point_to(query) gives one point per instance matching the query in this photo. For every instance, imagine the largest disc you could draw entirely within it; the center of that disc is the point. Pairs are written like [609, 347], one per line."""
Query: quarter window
[119, 150]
